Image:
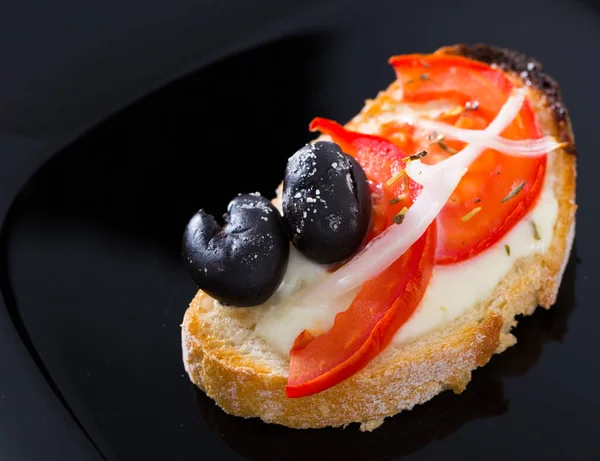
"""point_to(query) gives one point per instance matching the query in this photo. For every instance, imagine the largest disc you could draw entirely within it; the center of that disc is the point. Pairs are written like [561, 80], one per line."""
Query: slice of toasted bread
[246, 377]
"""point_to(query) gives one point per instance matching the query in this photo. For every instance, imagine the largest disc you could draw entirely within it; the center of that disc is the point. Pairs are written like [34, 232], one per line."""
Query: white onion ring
[439, 182]
[525, 147]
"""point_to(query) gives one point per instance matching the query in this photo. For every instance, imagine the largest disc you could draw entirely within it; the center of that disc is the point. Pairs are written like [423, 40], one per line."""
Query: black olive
[242, 263]
[326, 202]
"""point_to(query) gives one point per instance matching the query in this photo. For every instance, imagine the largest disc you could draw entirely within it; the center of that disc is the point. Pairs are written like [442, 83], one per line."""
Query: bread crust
[400, 378]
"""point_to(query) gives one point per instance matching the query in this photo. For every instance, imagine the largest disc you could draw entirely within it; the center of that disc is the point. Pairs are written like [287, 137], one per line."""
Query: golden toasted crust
[251, 384]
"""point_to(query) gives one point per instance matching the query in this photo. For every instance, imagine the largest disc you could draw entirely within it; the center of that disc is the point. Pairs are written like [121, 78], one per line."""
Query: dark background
[118, 121]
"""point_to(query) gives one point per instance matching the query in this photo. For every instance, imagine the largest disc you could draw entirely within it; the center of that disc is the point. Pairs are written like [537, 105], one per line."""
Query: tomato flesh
[366, 328]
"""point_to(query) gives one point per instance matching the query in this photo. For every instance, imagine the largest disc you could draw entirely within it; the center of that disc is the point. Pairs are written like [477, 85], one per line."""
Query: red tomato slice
[367, 327]
[479, 212]
[435, 77]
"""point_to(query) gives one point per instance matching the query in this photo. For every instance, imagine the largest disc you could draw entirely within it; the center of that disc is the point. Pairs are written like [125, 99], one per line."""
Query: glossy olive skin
[242, 263]
[326, 202]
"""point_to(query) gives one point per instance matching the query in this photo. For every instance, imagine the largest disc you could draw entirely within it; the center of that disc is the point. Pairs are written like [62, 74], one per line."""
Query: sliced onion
[525, 147]
[439, 182]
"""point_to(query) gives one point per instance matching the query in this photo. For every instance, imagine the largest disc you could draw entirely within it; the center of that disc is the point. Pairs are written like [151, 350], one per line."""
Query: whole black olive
[242, 263]
[326, 202]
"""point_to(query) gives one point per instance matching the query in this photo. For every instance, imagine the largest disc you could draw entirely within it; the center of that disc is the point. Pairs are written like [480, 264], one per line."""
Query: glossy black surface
[97, 291]
[326, 202]
[242, 260]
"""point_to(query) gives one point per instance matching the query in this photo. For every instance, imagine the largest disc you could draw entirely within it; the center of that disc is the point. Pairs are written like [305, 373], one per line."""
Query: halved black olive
[326, 202]
[242, 263]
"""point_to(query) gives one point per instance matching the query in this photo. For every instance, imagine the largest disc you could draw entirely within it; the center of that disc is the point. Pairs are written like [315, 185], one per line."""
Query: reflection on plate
[408, 431]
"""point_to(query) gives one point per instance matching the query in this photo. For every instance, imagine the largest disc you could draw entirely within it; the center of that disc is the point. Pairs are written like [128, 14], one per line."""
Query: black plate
[91, 272]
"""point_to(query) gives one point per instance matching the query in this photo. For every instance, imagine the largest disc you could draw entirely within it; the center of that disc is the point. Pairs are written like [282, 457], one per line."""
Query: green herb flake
[446, 147]
[398, 199]
[507, 248]
[514, 192]
[400, 216]
[470, 214]
[395, 178]
[536, 232]
[416, 156]
[424, 76]
[388, 107]
[443, 309]
[410, 81]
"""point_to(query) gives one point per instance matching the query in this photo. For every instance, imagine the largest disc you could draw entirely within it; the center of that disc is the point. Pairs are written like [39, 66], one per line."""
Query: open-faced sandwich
[398, 251]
